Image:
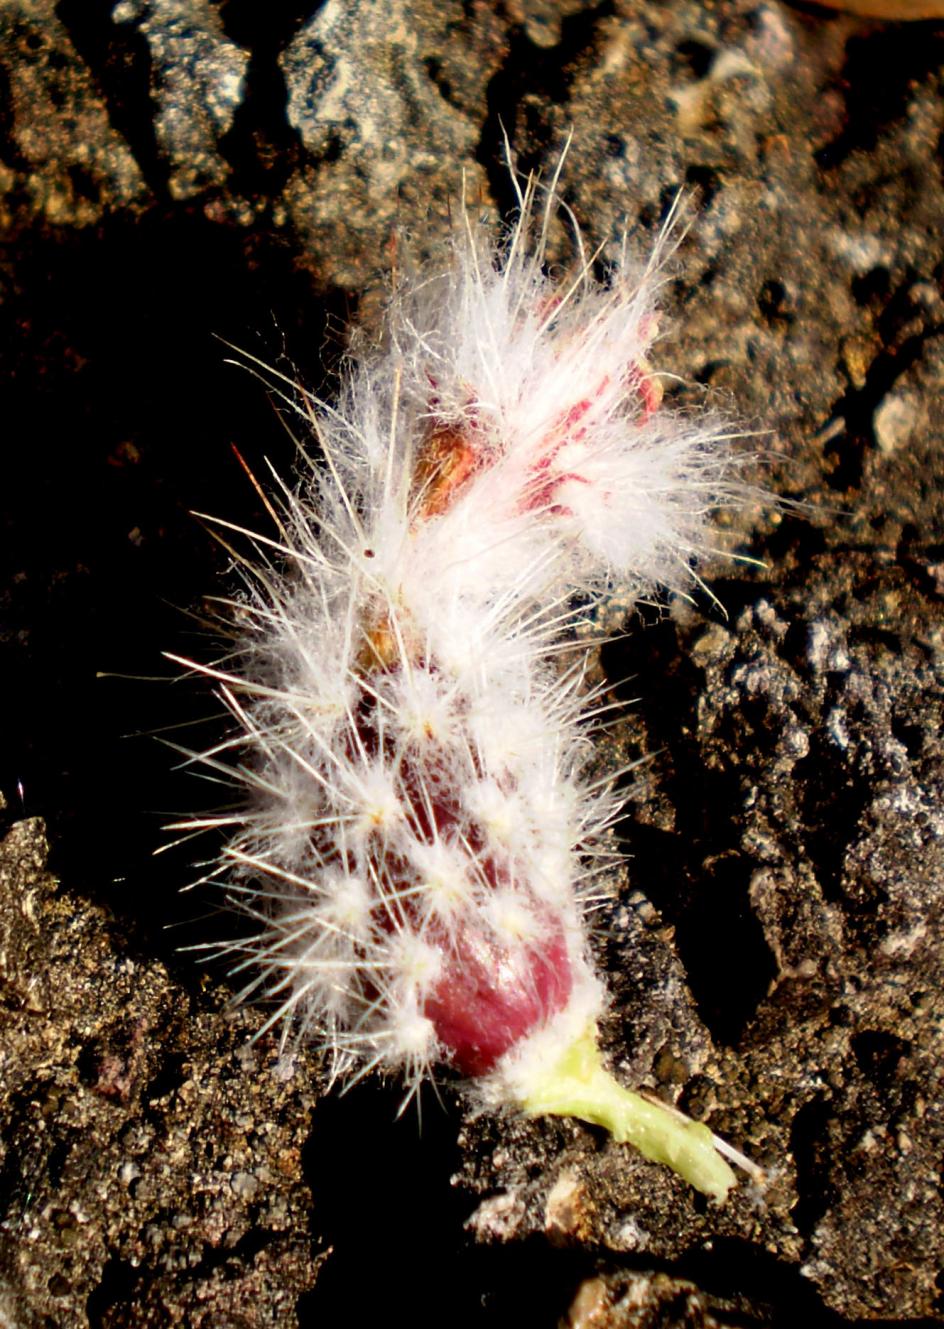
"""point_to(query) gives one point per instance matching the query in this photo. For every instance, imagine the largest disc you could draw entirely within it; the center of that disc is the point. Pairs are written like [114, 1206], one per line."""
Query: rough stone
[894, 422]
[60, 157]
[365, 88]
[197, 83]
[150, 1163]
[647, 1300]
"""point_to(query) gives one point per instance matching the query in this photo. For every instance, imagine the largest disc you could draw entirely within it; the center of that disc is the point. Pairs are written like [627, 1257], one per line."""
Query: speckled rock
[61, 159]
[644, 1300]
[197, 82]
[386, 102]
[150, 1166]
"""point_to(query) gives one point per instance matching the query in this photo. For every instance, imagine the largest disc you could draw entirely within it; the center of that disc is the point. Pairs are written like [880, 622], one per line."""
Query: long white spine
[410, 731]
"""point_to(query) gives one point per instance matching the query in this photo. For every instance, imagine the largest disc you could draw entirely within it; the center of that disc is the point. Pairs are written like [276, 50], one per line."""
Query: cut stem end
[579, 1085]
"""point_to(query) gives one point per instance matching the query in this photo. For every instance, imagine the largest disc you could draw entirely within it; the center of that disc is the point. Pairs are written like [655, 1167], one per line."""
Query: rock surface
[170, 173]
[150, 1164]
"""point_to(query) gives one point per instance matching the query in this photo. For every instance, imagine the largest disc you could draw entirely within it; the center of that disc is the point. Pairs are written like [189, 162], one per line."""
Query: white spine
[410, 733]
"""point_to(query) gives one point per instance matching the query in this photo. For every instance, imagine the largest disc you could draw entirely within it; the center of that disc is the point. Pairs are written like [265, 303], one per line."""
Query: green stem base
[578, 1085]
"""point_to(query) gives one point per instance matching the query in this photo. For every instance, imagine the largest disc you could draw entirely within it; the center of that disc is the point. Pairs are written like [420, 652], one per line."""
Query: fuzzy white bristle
[411, 731]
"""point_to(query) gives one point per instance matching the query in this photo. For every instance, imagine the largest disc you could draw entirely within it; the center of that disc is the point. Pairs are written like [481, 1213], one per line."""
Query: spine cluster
[418, 832]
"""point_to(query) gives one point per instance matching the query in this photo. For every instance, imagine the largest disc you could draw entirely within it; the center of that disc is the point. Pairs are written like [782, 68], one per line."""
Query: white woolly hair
[411, 738]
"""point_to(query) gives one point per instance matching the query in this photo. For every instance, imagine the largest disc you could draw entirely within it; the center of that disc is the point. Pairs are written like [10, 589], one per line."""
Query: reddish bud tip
[491, 994]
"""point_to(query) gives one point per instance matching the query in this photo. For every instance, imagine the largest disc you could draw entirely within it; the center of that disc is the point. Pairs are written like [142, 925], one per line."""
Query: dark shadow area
[834, 798]
[129, 1295]
[528, 71]
[120, 1283]
[758, 1276]
[695, 874]
[812, 1148]
[384, 1202]
[895, 314]
[728, 963]
[262, 147]
[878, 1053]
[121, 60]
[121, 414]
[883, 64]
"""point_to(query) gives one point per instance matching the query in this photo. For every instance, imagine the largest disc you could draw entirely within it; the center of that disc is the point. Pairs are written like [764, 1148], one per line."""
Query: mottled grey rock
[387, 102]
[197, 82]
